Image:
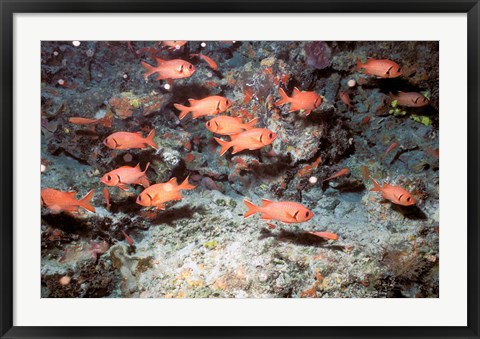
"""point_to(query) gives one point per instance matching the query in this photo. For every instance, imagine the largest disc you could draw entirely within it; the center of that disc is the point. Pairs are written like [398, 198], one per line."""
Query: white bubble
[351, 83]
[61, 82]
[233, 41]
[125, 76]
[55, 53]
[313, 180]
[203, 44]
[166, 86]
[76, 43]
[43, 168]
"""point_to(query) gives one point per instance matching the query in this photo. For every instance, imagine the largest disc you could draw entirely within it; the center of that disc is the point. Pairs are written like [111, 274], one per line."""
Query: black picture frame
[9, 8]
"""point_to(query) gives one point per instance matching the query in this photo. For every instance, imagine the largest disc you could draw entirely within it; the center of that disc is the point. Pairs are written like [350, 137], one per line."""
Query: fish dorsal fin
[296, 91]
[266, 202]
[192, 101]
[139, 133]
[137, 167]
[172, 181]
[160, 61]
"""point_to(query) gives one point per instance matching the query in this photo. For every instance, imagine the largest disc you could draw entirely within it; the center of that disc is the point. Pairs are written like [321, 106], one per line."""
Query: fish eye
[190, 67]
[307, 214]
[109, 178]
[270, 135]
[399, 69]
[227, 102]
[139, 198]
[209, 124]
[408, 199]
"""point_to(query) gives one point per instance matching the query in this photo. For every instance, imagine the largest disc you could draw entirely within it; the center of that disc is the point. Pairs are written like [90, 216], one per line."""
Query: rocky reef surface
[202, 246]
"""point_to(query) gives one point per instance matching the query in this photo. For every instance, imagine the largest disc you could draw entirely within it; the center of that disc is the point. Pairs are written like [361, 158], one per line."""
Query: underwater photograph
[240, 169]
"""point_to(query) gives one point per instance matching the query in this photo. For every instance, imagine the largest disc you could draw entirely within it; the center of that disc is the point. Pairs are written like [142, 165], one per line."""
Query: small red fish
[105, 121]
[126, 175]
[128, 238]
[106, 194]
[58, 201]
[253, 139]
[343, 171]
[158, 194]
[345, 98]
[381, 68]
[365, 120]
[213, 65]
[325, 235]
[128, 140]
[207, 106]
[169, 69]
[286, 211]
[173, 44]
[395, 194]
[410, 99]
[365, 171]
[300, 100]
[271, 226]
[225, 125]
[390, 148]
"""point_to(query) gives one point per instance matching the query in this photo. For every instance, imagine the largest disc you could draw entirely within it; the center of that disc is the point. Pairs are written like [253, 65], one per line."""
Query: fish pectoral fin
[123, 187]
[160, 207]
[307, 112]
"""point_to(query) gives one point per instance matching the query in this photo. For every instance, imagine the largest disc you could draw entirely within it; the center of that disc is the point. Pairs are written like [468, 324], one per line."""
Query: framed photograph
[246, 169]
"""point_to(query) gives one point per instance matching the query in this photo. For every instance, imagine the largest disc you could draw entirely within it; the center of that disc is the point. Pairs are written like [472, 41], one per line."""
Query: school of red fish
[243, 136]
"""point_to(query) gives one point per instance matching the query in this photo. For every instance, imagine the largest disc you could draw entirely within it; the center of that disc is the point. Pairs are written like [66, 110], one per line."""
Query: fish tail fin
[184, 110]
[149, 139]
[143, 180]
[284, 98]
[85, 202]
[251, 124]
[185, 185]
[252, 209]
[148, 68]
[376, 186]
[225, 145]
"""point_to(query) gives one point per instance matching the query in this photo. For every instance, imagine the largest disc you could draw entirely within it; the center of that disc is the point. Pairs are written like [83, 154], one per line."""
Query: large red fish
[286, 211]
[410, 99]
[300, 100]
[225, 125]
[395, 194]
[169, 69]
[58, 201]
[381, 68]
[158, 194]
[253, 139]
[207, 106]
[128, 140]
[126, 175]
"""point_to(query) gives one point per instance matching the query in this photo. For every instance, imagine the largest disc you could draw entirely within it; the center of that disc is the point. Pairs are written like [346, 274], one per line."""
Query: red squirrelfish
[58, 201]
[410, 99]
[213, 65]
[207, 106]
[169, 69]
[225, 125]
[106, 194]
[253, 139]
[325, 235]
[343, 171]
[390, 148]
[395, 194]
[158, 194]
[300, 100]
[174, 44]
[128, 140]
[345, 98]
[381, 68]
[126, 175]
[105, 121]
[286, 211]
